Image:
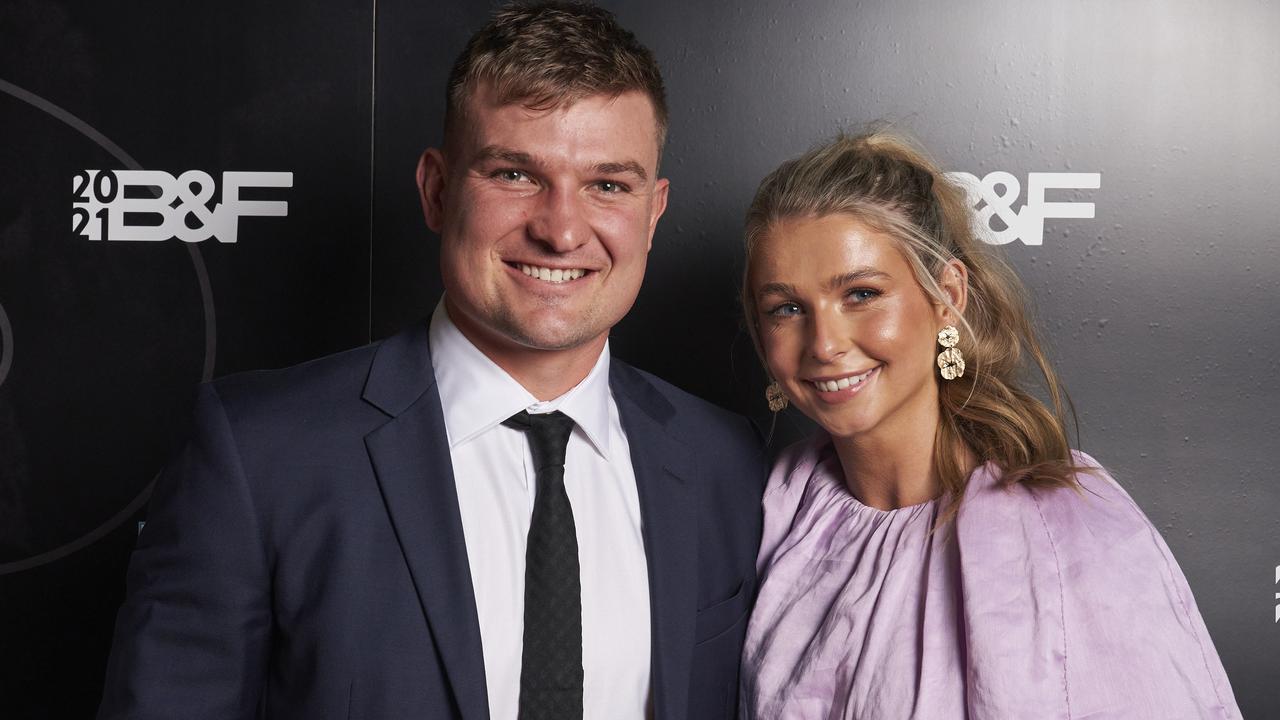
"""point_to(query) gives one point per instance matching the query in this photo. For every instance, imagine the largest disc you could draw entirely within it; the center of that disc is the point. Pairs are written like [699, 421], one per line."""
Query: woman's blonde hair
[885, 181]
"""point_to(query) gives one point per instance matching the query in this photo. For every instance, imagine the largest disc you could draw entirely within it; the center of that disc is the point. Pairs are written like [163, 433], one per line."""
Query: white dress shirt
[494, 473]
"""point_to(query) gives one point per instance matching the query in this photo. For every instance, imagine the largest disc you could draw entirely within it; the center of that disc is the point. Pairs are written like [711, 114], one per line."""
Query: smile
[552, 275]
[845, 383]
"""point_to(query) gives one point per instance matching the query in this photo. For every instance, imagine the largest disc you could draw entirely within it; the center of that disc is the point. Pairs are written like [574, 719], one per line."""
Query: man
[486, 515]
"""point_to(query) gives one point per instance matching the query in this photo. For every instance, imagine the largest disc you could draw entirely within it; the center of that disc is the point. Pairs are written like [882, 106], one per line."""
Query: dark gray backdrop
[1159, 310]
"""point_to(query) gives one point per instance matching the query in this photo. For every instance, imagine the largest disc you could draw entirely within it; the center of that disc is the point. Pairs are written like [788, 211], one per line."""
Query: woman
[938, 550]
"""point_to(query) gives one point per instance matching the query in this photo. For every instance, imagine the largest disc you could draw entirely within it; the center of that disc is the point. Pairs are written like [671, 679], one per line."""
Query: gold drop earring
[950, 361]
[777, 399]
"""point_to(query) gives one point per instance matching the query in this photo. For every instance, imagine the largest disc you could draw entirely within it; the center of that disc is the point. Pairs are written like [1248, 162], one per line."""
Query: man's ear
[954, 281]
[431, 186]
[658, 206]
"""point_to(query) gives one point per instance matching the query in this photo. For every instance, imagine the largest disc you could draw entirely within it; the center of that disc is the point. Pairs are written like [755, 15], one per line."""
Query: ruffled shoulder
[1074, 607]
[786, 486]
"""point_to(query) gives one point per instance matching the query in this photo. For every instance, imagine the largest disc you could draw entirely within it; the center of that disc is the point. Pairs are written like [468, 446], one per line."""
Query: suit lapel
[410, 455]
[664, 468]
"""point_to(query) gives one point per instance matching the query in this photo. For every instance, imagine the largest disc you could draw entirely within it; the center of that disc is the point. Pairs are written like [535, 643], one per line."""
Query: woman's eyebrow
[776, 288]
[835, 282]
[866, 273]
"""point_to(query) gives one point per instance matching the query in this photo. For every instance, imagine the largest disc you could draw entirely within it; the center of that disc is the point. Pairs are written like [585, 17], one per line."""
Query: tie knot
[548, 435]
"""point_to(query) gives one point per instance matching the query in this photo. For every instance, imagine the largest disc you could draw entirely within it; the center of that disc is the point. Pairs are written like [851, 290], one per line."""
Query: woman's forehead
[820, 247]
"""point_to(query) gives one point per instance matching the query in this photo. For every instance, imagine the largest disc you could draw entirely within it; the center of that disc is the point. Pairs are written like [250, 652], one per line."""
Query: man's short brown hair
[548, 54]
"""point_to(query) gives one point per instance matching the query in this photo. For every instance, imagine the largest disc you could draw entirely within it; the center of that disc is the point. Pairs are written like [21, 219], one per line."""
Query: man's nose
[559, 221]
[828, 335]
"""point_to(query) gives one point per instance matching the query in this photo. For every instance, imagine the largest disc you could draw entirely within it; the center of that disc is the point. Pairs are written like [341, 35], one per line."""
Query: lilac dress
[1042, 604]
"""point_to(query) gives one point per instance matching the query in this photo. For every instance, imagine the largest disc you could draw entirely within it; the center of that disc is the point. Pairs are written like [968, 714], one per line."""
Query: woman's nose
[828, 339]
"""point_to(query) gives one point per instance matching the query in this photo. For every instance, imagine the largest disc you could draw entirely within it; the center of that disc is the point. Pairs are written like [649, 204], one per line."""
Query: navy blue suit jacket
[303, 556]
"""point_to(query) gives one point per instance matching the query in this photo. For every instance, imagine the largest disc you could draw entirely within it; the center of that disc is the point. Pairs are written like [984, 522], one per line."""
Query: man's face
[546, 219]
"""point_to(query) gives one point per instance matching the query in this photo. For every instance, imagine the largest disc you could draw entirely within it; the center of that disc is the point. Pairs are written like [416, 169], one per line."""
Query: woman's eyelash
[788, 308]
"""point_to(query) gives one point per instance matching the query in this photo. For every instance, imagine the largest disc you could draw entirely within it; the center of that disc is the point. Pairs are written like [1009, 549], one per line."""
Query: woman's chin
[840, 425]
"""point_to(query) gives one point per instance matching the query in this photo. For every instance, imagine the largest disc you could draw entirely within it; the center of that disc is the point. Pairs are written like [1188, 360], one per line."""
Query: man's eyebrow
[617, 168]
[495, 152]
[491, 153]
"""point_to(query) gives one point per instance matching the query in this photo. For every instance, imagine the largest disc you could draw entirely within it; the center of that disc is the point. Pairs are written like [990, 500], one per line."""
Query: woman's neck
[893, 465]
[890, 470]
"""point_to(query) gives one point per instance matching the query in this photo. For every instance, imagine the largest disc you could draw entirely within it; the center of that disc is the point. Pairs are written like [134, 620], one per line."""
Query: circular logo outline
[6, 344]
[6, 353]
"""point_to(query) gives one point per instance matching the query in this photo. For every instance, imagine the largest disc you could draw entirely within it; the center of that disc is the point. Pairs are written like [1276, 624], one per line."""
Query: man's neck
[546, 374]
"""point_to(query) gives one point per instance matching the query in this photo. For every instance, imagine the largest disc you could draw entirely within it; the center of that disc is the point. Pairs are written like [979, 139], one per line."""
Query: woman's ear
[954, 282]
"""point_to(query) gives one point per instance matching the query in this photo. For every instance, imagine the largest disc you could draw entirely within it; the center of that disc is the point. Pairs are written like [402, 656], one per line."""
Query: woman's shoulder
[1096, 510]
[796, 463]
[1094, 529]
[793, 470]
[1104, 606]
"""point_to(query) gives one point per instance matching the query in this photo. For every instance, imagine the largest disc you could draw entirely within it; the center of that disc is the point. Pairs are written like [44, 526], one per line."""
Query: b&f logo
[998, 190]
[152, 205]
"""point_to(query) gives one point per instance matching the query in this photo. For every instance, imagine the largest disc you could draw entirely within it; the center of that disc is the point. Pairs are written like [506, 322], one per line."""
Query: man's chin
[551, 332]
[504, 328]
[554, 339]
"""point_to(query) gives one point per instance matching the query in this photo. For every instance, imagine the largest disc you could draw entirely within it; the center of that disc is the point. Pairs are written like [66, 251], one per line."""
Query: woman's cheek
[885, 331]
[778, 354]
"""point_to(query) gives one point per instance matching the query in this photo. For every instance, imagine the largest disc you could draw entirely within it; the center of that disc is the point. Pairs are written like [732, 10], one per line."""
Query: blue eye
[861, 295]
[786, 309]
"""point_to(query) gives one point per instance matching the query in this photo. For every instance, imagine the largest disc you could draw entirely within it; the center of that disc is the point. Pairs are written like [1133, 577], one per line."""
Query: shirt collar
[477, 395]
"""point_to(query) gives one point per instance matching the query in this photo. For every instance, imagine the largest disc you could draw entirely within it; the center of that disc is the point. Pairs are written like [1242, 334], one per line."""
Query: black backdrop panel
[1159, 309]
[102, 342]
[417, 45]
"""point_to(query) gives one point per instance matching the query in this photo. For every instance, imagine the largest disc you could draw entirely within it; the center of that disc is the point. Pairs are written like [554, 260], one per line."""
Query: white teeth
[842, 383]
[552, 275]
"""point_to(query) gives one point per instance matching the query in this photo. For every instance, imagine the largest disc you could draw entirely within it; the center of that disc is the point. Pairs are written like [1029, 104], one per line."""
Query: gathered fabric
[1045, 604]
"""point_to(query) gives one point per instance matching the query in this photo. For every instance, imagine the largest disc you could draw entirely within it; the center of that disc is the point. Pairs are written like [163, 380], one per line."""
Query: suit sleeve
[191, 639]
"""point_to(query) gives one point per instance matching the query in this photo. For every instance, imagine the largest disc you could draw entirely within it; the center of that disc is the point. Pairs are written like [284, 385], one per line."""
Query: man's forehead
[491, 120]
[490, 104]
[486, 95]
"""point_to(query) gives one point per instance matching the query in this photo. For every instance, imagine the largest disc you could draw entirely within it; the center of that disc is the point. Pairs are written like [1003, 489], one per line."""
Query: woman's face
[846, 329]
